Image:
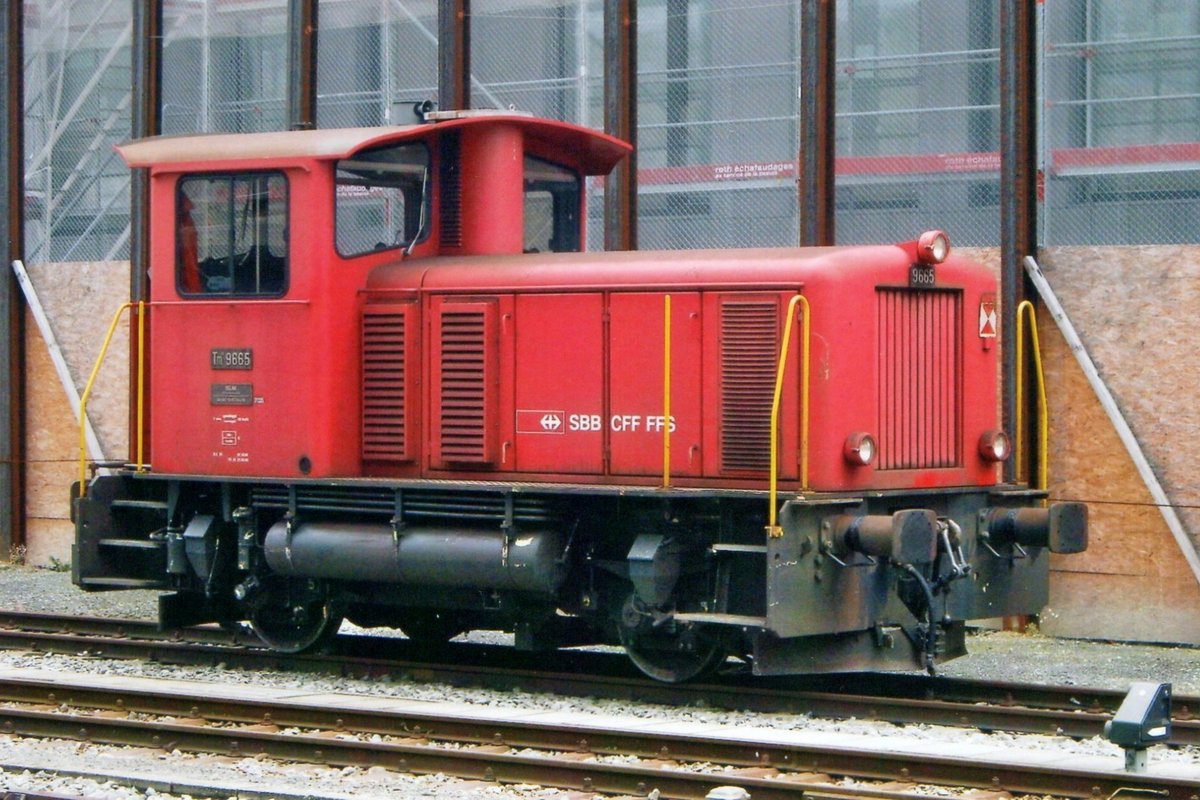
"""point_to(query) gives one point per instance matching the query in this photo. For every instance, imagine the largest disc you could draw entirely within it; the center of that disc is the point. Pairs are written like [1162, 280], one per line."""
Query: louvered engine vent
[749, 354]
[919, 374]
[384, 399]
[450, 205]
[463, 391]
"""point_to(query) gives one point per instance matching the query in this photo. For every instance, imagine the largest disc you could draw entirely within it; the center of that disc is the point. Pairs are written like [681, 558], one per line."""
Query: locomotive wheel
[297, 615]
[431, 628]
[667, 653]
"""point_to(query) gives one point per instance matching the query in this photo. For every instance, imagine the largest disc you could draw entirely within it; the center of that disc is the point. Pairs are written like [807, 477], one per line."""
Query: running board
[736, 620]
[121, 583]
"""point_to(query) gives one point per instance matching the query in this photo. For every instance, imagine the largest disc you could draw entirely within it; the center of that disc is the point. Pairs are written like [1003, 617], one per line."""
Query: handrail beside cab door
[141, 390]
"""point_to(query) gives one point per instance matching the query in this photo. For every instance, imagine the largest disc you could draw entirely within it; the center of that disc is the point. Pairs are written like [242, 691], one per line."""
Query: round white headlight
[993, 446]
[859, 449]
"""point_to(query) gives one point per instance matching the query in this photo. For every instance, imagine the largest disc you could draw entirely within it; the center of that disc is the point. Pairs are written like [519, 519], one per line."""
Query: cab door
[230, 348]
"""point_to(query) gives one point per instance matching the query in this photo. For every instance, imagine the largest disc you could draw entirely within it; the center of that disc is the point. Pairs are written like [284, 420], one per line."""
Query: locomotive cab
[386, 384]
[485, 178]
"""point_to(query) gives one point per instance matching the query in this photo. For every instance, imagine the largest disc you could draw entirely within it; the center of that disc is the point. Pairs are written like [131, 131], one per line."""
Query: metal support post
[620, 120]
[147, 121]
[678, 129]
[302, 64]
[454, 54]
[818, 57]
[1018, 192]
[12, 309]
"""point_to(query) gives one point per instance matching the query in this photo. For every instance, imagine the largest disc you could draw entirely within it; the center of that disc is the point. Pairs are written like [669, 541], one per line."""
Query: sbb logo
[542, 421]
[584, 422]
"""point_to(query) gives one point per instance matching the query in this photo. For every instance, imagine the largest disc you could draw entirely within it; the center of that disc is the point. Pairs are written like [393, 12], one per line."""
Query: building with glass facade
[916, 124]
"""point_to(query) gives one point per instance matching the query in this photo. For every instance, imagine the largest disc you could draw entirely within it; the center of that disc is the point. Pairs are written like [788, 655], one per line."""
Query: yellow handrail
[666, 391]
[1043, 412]
[141, 384]
[773, 528]
[87, 390]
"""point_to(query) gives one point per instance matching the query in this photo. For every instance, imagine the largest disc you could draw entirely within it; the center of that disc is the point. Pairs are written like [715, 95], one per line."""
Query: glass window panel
[232, 235]
[551, 207]
[382, 199]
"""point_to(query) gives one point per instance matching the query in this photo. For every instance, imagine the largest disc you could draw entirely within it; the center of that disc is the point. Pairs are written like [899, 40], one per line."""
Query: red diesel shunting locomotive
[385, 384]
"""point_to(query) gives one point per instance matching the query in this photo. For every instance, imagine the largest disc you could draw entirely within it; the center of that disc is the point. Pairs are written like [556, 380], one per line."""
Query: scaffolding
[916, 121]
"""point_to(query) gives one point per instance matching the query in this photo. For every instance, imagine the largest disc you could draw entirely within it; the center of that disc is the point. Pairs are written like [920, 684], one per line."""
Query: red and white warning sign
[988, 322]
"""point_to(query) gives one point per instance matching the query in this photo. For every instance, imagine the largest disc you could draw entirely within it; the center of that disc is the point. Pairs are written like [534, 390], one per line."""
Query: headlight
[993, 446]
[859, 449]
[933, 247]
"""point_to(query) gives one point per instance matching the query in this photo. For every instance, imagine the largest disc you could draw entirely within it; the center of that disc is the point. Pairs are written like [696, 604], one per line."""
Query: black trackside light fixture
[1143, 719]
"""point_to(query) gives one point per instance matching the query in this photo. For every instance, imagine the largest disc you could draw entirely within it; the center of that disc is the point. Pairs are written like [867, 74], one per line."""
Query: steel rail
[1074, 711]
[473, 764]
[490, 744]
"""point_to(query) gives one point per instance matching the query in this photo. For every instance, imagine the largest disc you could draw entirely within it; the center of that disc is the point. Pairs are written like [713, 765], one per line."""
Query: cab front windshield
[382, 198]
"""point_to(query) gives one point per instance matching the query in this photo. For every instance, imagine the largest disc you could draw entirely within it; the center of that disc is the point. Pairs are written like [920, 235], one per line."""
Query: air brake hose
[931, 631]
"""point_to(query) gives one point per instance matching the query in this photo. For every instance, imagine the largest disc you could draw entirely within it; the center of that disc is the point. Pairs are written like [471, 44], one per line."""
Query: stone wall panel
[79, 300]
[1131, 306]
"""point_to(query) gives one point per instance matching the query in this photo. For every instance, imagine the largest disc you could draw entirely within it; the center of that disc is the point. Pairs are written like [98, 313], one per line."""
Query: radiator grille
[463, 390]
[919, 368]
[749, 356]
[384, 398]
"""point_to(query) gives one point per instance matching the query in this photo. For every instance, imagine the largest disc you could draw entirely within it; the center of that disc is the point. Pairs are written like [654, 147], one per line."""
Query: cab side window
[231, 235]
[382, 199]
[551, 207]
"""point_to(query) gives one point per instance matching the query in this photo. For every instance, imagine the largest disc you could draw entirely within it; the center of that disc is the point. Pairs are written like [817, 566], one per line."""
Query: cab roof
[592, 152]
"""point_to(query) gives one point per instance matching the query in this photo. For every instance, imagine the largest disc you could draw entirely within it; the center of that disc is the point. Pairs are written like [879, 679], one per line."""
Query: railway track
[1076, 712]
[541, 748]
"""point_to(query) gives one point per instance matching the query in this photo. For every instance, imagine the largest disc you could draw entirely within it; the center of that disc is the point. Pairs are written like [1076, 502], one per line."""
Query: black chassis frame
[788, 602]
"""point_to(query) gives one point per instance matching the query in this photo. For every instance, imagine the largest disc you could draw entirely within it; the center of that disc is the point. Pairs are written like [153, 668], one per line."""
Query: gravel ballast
[43, 766]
